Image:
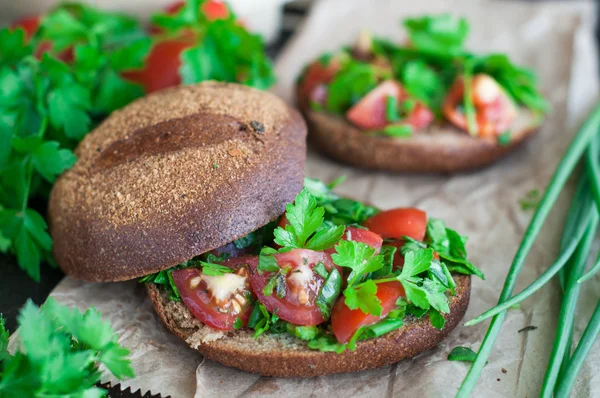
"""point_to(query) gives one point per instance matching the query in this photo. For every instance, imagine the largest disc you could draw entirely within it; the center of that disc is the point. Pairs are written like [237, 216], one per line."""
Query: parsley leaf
[438, 33]
[61, 350]
[4, 335]
[357, 256]
[364, 296]
[305, 228]
[350, 84]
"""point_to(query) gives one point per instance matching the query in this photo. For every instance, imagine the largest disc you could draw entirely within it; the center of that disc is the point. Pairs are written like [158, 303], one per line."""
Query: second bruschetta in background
[427, 105]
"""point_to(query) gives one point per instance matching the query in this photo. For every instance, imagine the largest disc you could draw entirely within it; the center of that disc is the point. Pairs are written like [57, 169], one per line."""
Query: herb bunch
[58, 84]
[60, 353]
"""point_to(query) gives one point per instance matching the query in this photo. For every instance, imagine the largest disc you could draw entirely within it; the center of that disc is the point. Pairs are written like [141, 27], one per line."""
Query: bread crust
[286, 356]
[440, 148]
[173, 175]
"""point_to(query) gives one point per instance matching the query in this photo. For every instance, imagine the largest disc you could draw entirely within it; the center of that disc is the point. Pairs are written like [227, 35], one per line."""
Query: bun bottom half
[439, 148]
[282, 355]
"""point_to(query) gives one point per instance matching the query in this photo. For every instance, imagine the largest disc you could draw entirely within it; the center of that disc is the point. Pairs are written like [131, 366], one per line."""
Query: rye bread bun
[286, 356]
[174, 175]
[440, 148]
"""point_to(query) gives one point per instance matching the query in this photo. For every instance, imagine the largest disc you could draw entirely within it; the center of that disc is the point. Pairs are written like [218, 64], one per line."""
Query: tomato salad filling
[398, 90]
[331, 271]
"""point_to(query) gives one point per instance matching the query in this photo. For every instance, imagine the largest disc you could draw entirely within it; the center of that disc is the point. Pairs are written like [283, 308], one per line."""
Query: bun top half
[174, 175]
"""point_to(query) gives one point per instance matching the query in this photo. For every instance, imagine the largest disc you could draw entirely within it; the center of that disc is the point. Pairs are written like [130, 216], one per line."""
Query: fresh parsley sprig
[305, 229]
[60, 353]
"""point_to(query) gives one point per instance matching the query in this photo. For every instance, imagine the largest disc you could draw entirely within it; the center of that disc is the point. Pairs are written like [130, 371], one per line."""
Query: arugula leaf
[438, 33]
[363, 296]
[357, 256]
[462, 354]
[61, 350]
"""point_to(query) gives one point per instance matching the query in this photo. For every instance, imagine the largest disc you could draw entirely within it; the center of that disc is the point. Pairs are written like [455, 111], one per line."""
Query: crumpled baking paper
[556, 39]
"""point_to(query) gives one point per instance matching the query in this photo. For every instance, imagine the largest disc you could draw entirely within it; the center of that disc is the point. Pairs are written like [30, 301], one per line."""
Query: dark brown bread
[440, 148]
[173, 175]
[285, 356]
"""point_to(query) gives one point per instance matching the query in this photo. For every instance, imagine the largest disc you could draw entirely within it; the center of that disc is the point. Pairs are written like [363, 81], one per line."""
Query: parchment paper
[556, 40]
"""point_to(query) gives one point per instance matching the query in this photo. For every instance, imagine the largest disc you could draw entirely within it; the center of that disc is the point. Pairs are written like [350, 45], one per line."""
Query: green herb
[437, 34]
[261, 320]
[469, 107]
[4, 335]
[306, 333]
[450, 246]
[531, 200]
[424, 83]
[462, 354]
[564, 169]
[504, 138]
[214, 269]
[60, 352]
[305, 228]
[237, 324]
[320, 270]
[382, 327]
[437, 320]
[387, 253]
[277, 282]
[397, 130]
[215, 166]
[329, 292]
[224, 50]
[357, 256]
[364, 297]
[391, 109]
[339, 211]
[350, 84]
[326, 343]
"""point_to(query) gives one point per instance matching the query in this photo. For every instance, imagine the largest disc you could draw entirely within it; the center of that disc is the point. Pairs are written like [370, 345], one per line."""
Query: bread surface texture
[174, 175]
[282, 355]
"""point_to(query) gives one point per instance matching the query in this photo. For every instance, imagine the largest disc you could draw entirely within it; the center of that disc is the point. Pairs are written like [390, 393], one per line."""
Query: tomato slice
[161, 69]
[495, 111]
[396, 223]
[345, 322]
[217, 301]
[363, 235]
[302, 286]
[369, 113]
[317, 75]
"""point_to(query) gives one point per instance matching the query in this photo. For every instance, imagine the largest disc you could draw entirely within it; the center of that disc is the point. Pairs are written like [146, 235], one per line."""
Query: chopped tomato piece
[370, 112]
[365, 236]
[213, 9]
[345, 322]
[317, 75]
[161, 69]
[301, 286]
[29, 24]
[494, 110]
[396, 223]
[217, 301]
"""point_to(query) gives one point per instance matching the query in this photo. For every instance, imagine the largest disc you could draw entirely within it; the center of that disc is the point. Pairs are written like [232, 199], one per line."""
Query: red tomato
[161, 69]
[209, 300]
[495, 111]
[302, 286]
[345, 322]
[363, 235]
[313, 83]
[213, 9]
[396, 223]
[29, 24]
[369, 113]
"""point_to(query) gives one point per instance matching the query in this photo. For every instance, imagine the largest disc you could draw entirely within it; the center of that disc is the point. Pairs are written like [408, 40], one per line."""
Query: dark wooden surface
[16, 287]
